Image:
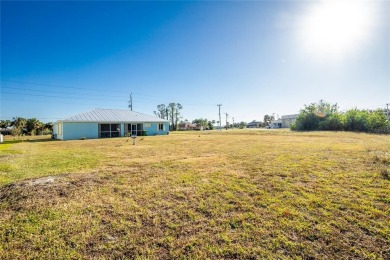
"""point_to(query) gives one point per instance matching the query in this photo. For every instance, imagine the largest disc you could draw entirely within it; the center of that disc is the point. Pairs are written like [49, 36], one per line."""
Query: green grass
[234, 194]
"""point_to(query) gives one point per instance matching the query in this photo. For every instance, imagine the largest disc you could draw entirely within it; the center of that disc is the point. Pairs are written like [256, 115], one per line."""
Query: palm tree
[32, 125]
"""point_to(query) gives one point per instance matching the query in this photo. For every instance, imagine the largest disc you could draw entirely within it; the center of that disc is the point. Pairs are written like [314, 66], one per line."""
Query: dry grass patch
[238, 194]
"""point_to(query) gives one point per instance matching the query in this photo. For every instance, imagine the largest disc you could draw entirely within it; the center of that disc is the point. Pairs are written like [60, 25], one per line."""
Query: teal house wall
[108, 123]
[72, 131]
[78, 130]
[153, 129]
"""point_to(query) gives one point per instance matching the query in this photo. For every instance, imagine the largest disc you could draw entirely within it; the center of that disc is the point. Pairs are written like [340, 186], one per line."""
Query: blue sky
[255, 57]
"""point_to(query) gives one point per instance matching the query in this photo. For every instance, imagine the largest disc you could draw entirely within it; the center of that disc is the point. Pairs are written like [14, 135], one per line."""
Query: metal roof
[112, 115]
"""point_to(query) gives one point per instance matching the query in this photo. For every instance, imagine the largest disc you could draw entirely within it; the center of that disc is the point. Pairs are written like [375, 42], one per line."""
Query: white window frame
[158, 127]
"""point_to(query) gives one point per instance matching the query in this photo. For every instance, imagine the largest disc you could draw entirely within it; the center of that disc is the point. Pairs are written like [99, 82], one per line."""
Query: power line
[38, 95]
[91, 89]
[57, 86]
[91, 99]
[55, 102]
[88, 89]
[86, 94]
[60, 92]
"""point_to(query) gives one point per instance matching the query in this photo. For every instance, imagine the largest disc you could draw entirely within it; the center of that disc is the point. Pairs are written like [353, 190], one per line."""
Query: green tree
[32, 126]
[325, 116]
[376, 120]
[18, 124]
[201, 122]
[4, 123]
[177, 114]
[161, 111]
[210, 125]
[242, 125]
[364, 120]
[312, 116]
[48, 127]
[268, 119]
[171, 112]
[333, 122]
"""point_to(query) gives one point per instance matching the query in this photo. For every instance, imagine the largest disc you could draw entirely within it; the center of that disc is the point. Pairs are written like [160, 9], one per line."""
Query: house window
[147, 125]
[160, 127]
[109, 130]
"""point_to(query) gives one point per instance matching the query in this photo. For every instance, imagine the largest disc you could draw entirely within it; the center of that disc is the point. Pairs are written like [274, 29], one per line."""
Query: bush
[324, 116]
[364, 120]
[333, 122]
[307, 121]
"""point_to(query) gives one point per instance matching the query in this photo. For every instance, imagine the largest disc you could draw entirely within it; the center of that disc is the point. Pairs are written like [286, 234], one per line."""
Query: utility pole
[233, 121]
[131, 102]
[227, 115]
[220, 128]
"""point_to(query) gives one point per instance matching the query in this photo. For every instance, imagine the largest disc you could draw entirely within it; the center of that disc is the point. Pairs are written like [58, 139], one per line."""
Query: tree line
[29, 126]
[326, 116]
[170, 112]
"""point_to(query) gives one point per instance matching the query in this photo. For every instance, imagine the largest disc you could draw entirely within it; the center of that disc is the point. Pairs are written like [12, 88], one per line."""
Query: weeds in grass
[382, 157]
[385, 174]
[382, 161]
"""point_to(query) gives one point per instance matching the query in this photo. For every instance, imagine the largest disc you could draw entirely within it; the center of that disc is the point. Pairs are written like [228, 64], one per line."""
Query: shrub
[324, 116]
[333, 122]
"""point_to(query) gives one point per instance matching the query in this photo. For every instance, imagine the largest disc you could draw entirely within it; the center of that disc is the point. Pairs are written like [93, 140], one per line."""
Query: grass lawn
[230, 194]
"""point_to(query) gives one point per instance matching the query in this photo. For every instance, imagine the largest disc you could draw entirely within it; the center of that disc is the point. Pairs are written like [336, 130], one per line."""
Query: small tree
[268, 119]
[201, 122]
[32, 126]
[210, 125]
[242, 125]
[161, 111]
[18, 124]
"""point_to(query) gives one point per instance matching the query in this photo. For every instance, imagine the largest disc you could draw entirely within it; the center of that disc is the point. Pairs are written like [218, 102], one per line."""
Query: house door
[135, 129]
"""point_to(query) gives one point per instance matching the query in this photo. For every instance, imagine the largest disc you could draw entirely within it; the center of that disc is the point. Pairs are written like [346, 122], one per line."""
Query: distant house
[254, 124]
[7, 130]
[284, 122]
[275, 124]
[187, 126]
[105, 123]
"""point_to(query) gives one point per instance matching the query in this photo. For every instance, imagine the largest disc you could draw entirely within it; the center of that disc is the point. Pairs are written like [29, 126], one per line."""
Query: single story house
[7, 130]
[284, 122]
[105, 123]
[254, 124]
[275, 124]
[187, 126]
